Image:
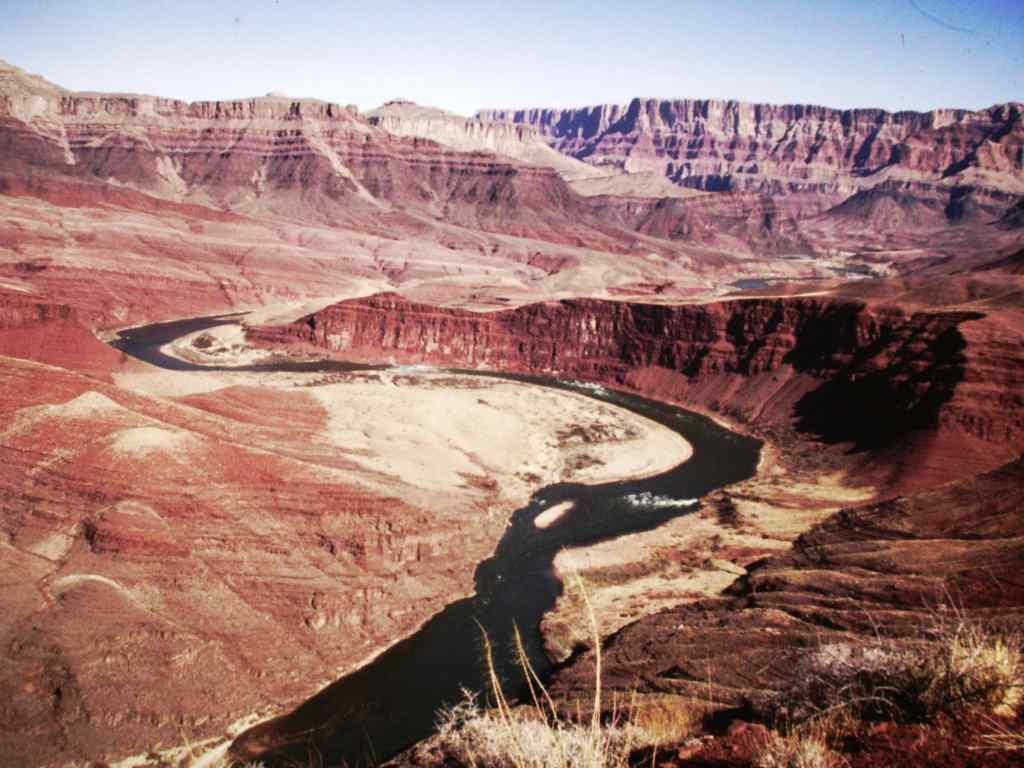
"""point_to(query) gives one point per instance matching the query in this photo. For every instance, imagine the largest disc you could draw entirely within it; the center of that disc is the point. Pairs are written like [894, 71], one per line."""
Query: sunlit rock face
[816, 154]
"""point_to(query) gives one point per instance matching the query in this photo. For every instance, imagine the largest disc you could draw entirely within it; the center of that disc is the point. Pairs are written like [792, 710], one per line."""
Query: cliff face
[308, 160]
[790, 149]
[50, 333]
[515, 140]
[925, 393]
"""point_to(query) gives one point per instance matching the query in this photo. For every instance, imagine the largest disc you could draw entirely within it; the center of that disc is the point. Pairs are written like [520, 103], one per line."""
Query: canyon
[258, 534]
[270, 200]
[843, 285]
[863, 398]
[874, 376]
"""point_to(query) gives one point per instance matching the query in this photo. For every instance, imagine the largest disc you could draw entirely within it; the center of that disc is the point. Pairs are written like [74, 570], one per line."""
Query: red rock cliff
[55, 334]
[916, 395]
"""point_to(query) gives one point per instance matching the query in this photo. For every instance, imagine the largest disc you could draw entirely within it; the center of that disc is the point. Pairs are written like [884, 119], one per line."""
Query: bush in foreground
[965, 666]
[520, 739]
[957, 670]
[796, 751]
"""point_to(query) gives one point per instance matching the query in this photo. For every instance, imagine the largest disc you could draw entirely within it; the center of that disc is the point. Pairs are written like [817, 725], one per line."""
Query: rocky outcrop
[898, 568]
[757, 221]
[51, 333]
[820, 154]
[916, 396]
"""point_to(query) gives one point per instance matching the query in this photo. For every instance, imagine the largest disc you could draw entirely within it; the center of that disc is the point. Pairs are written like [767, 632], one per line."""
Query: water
[750, 284]
[391, 703]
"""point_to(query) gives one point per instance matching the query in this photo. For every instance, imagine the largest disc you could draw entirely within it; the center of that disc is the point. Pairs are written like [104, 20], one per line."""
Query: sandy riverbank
[553, 514]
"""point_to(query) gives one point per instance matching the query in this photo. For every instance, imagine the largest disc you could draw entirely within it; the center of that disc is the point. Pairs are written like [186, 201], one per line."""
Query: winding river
[387, 705]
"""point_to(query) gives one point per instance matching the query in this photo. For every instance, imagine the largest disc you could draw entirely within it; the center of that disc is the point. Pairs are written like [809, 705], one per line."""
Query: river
[392, 702]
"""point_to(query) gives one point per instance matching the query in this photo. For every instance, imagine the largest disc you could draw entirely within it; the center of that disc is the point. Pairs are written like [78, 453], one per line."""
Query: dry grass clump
[983, 668]
[1000, 737]
[665, 720]
[965, 666]
[519, 739]
[796, 750]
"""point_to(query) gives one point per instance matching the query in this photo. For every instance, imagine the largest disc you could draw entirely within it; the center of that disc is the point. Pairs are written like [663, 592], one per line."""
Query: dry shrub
[796, 750]
[492, 739]
[665, 720]
[982, 668]
[1000, 737]
[965, 666]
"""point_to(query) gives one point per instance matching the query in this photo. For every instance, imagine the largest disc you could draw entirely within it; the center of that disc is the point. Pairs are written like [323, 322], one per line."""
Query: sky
[463, 55]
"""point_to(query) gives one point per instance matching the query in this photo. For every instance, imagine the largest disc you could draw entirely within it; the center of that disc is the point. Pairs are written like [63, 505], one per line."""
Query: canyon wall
[516, 140]
[914, 395]
[304, 159]
[140, 208]
[822, 154]
[136, 208]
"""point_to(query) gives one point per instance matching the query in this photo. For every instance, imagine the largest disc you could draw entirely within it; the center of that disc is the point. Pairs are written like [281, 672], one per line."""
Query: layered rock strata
[305, 159]
[519, 141]
[824, 155]
[934, 391]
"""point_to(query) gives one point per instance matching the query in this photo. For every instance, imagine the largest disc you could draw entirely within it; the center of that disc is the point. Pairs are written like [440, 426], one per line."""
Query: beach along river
[392, 702]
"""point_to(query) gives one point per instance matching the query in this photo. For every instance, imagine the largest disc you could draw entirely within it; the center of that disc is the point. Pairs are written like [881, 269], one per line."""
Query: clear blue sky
[463, 55]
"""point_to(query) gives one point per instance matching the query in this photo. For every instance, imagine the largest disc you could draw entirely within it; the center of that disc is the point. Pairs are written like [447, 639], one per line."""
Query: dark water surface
[391, 703]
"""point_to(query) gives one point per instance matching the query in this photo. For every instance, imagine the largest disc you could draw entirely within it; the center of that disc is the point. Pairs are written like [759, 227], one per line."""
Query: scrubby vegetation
[962, 666]
[1000, 737]
[796, 750]
[839, 692]
[519, 738]
[958, 676]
